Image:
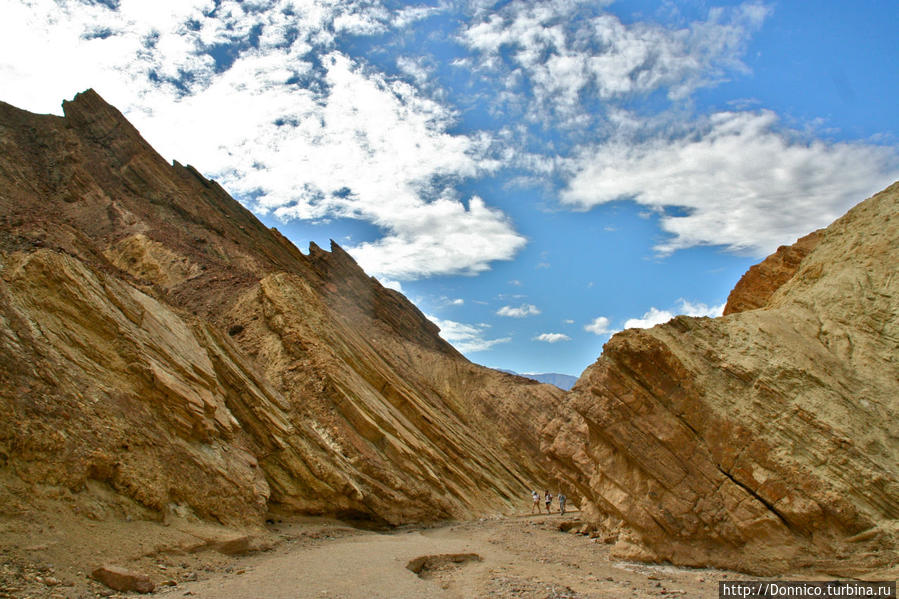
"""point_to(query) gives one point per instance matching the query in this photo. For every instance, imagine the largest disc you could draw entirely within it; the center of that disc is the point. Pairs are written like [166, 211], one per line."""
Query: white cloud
[568, 321]
[520, 312]
[319, 134]
[466, 337]
[600, 326]
[391, 284]
[440, 237]
[655, 316]
[563, 52]
[649, 319]
[740, 180]
[552, 337]
[699, 309]
[414, 68]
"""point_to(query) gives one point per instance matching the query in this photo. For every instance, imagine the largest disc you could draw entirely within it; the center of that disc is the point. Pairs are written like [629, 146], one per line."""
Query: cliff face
[755, 288]
[764, 440]
[158, 340]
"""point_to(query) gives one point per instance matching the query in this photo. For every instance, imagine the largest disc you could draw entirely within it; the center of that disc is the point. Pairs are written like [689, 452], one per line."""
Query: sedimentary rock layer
[157, 338]
[763, 440]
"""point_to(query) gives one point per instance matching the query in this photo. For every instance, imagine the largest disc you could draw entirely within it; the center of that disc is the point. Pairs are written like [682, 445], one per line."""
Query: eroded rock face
[755, 288]
[764, 440]
[156, 338]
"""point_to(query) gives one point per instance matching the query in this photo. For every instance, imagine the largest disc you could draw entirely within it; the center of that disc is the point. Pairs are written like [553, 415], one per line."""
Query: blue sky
[533, 175]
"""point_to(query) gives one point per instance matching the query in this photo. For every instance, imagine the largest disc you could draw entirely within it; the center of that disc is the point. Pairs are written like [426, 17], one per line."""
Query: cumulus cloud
[520, 312]
[599, 326]
[738, 179]
[466, 338]
[649, 319]
[440, 237]
[320, 134]
[655, 316]
[552, 337]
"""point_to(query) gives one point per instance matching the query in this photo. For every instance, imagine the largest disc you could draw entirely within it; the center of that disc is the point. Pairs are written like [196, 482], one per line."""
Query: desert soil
[525, 556]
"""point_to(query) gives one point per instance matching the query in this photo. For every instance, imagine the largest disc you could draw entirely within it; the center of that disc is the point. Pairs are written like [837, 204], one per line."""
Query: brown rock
[121, 579]
[163, 342]
[760, 441]
[236, 546]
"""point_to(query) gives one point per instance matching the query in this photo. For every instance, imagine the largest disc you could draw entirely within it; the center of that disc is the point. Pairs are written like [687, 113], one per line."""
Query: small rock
[236, 546]
[52, 581]
[121, 579]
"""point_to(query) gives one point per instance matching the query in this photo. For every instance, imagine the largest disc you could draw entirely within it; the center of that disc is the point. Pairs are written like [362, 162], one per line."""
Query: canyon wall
[159, 342]
[764, 440]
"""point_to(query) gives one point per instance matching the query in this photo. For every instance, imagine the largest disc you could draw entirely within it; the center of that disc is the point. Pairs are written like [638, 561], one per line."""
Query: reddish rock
[756, 287]
[121, 579]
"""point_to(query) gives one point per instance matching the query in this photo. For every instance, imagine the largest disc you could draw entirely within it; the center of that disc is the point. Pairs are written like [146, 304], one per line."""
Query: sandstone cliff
[160, 344]
[765, 440]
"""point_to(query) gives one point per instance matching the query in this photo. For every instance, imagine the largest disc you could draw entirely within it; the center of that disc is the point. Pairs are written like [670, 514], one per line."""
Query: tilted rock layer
[157, 339]
[764, 440]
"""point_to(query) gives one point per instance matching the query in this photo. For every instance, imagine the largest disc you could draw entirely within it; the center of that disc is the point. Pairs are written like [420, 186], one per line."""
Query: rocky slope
[765, 440]
[160, 348]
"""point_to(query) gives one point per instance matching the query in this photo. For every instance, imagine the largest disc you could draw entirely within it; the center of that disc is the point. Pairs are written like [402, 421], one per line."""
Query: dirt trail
[524, 557]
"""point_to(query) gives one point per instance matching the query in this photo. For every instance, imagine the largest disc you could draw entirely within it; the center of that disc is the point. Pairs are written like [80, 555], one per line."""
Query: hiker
[549, 499]
[536, 497]
[562, 503]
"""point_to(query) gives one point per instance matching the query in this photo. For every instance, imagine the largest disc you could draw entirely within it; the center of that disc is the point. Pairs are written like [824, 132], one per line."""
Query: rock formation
[764, 440]
[756, 287]
[158, 342]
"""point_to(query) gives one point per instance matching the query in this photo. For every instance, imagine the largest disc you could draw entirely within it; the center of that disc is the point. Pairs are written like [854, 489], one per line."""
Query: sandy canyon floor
[515, 557]
[525, 556]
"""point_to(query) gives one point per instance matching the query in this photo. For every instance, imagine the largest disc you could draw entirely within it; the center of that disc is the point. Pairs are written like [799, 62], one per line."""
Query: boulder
[121, 579]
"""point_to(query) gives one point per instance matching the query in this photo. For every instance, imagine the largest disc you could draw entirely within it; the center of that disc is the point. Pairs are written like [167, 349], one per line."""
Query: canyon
[176, 373]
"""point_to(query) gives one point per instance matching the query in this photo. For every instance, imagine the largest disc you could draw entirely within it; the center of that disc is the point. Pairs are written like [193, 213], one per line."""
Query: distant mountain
[562, 381]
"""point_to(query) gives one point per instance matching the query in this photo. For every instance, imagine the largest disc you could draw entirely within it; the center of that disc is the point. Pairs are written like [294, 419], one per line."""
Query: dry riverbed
[527, 557]
[522, 557]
